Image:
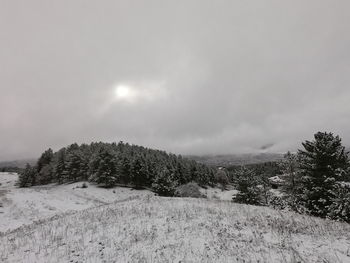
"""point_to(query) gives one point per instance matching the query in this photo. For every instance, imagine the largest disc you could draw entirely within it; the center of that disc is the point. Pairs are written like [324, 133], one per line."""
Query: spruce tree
[46, 174]
[323, 162]
[124, 165]
[139, 172]
[60, 166]
[27, 177]
[104, 168]
[247, 186]
[74, 165]
[340, 206]
[164, 182]
[44, 159]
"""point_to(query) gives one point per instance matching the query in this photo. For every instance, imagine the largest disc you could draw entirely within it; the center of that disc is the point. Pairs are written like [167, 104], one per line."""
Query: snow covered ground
[68, 224]
[155, 229]
[217, 194]
[21, 206]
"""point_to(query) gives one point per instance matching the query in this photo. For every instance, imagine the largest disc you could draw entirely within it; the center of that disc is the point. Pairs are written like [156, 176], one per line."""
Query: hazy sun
[123, 92]
[132, 93]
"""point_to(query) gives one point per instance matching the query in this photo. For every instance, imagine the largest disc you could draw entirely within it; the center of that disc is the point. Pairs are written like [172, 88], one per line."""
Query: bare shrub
[188, 190]
[222, 178]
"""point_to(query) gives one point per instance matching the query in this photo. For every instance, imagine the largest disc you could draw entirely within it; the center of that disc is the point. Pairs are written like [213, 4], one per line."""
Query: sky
[189, 77]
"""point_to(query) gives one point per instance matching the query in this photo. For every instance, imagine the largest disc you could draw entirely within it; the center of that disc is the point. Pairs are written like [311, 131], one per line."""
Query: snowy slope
[19, 206]
[154, 229]
[78, 226]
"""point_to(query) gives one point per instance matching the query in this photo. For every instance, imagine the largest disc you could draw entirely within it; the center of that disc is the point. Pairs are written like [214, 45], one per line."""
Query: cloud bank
[201, 76]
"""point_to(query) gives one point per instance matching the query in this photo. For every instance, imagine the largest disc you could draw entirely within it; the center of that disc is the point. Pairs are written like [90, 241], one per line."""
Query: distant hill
[17, 163]
[236, 159]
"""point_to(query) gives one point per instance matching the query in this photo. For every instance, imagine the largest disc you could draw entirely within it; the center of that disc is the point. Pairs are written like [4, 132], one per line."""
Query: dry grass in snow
[155, 229]
[217, 194]
[22, 206]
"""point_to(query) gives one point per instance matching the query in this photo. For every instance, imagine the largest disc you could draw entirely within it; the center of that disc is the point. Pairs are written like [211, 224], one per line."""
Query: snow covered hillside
[140, 227]
[21, 206]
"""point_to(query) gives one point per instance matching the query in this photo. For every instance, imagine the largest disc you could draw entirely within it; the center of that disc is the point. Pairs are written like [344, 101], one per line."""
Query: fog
[190, 77]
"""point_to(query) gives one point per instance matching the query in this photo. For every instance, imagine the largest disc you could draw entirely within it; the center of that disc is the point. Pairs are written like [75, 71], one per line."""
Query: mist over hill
[17, 163]
[236, 159]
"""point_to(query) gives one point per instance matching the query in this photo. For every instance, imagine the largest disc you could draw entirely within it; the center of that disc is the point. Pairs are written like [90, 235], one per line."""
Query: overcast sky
[191, 77]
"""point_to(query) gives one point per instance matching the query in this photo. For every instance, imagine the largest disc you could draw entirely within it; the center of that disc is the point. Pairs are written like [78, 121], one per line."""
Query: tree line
[111, 164]
[315, 180]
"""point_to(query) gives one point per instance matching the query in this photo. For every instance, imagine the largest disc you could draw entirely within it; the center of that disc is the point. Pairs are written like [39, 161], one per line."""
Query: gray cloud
[207, 76]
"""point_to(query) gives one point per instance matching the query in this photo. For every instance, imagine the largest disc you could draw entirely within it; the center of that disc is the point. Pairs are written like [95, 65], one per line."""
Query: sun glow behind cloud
[132, 94]
[125, 93]
[141, 92]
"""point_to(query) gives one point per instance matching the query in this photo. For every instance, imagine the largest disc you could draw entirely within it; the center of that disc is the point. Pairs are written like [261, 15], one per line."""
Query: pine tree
[202, 175]
[322, 164]
[75, 166]
[340, 206]
[27, 177]
[60, 167]
[180, 171]
[124, 167]
[46, 175]
[247, 186]
[104, 168]
[164, 183]
[139, 171]
[44, 159]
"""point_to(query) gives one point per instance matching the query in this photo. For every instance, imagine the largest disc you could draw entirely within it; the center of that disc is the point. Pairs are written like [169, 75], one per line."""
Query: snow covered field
[217, 194]
[78, 226]
[21, 206]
